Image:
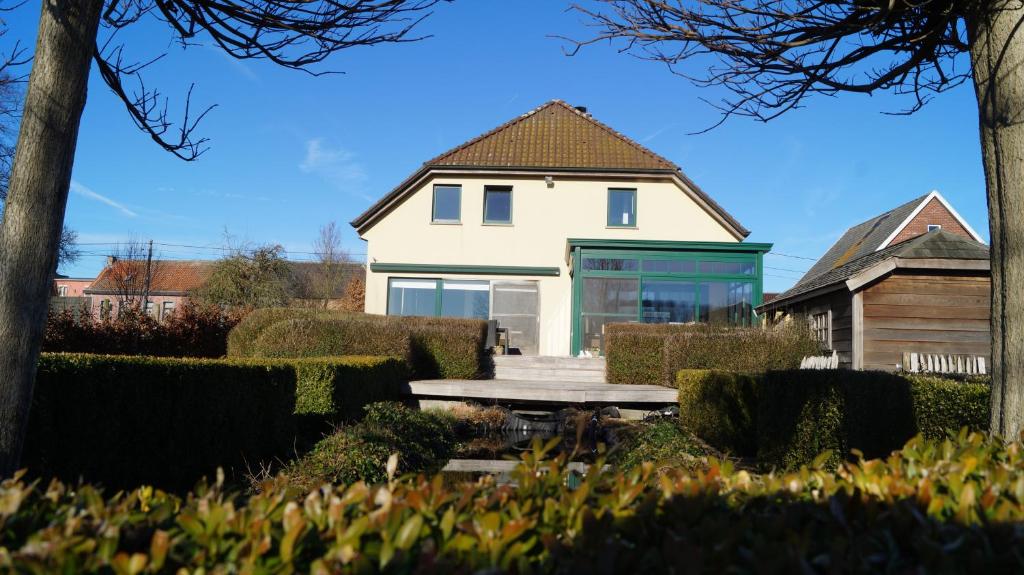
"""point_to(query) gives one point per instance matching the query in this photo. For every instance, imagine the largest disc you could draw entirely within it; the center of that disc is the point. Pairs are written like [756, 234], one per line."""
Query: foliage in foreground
[950, 506]
[423, 440]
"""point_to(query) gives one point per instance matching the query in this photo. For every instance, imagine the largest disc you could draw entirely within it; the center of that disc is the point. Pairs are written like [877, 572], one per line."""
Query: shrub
[634, 358]
[720, 408]
[788, 417]
[193, 330]
[633, 350]
[936, 507]
[123, 420]
[242, 339]
[423, 440]
[665, 442]
[448, 348]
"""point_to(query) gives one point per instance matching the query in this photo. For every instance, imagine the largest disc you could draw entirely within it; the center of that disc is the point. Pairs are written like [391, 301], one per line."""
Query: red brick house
[913, 280]
[170, 283]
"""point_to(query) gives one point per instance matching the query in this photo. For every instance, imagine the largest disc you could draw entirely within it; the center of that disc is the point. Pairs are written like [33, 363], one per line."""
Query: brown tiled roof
[553, 136]
[172, 276]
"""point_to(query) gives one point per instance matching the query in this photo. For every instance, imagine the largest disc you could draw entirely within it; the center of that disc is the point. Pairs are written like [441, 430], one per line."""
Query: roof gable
[555, 135]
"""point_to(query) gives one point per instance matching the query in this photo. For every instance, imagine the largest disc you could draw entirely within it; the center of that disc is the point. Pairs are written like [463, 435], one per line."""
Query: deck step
[547, 374]
[542, 391]
[522, 361]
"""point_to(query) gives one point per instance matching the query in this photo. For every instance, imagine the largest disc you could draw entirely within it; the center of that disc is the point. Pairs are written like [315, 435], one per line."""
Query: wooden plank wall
[934, 313]
[840, 303]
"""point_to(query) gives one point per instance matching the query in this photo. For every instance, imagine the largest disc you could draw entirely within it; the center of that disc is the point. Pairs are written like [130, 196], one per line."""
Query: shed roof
[938, 244]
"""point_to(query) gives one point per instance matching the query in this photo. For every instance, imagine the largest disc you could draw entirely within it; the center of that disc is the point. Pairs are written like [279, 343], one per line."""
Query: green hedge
[654, 353]
[122, 420]
[436, 348]
[936, 507]
[787, 418]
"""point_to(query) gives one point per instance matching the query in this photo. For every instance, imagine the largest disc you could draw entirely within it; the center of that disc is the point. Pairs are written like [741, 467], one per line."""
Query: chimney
[582, 110]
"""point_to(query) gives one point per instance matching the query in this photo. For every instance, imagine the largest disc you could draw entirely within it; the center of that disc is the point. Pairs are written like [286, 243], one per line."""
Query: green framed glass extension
[624, 281]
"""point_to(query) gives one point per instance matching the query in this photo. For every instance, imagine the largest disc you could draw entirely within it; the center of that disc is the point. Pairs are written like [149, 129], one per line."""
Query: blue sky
[290, 152]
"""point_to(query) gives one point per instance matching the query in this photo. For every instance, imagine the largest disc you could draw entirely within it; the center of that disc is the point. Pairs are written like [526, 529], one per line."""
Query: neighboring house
[915, 279]
[173, 280]
[70, 287]
[309, 281]
[170, 283]
[554, 224]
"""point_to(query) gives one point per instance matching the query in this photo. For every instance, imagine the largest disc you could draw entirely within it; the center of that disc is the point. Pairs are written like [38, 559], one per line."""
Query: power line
[785, 270]
[792, 256]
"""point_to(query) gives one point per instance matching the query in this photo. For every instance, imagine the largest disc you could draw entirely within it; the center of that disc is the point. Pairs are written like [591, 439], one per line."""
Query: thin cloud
[78, 188]
[337, 166]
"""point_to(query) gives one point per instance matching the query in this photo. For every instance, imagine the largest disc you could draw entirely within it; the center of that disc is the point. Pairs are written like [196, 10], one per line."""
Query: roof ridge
[556, 102]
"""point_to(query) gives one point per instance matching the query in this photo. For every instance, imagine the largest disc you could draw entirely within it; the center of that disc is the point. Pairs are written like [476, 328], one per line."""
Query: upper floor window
[447, 204]
[62, 291]
[497, 205]
[622, 208]
[934, 227]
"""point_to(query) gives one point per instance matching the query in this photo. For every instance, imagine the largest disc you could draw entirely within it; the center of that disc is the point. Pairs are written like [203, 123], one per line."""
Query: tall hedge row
[122, 420]
[444, 348]
[654, 353]
[787, 418]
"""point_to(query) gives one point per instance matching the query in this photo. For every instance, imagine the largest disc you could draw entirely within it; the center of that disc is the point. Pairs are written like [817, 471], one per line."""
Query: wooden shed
[927, 296]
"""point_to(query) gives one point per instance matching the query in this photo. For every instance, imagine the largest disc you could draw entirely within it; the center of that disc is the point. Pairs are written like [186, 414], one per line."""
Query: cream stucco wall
[543, 218]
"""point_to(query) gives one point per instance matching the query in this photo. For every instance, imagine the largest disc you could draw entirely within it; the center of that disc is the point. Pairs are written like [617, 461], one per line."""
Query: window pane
[621, 207]
[610, 295]
[727, 267]
[669, 302]
[498, 205]
[609, 264]
[466, 299]
[670, 266]
[729, 303]
[411, 297]
[447, 200]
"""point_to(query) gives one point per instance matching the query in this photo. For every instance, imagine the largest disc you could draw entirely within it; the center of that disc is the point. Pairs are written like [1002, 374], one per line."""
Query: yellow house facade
[555, 225]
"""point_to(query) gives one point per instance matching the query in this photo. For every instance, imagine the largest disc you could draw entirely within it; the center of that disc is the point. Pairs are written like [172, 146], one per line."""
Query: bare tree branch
[294, 34]
[772, 54]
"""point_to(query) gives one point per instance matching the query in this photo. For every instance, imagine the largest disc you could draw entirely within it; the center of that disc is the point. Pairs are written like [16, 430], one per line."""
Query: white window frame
[821, 324]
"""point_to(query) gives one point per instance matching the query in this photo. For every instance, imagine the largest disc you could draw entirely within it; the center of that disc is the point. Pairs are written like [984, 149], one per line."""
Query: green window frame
[447, 188]
[488, 190]
[615, 213]
[436, 300]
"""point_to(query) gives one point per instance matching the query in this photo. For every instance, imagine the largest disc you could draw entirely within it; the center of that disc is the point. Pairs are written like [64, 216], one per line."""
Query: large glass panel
[465, 299]
[728, 303]
[447, 203]
[670, 266]
[727, 267]
[667, 301]
[609, 264]
[516, 306]
[498, 205]
[412, 297]
[622, 208]
[610, 295]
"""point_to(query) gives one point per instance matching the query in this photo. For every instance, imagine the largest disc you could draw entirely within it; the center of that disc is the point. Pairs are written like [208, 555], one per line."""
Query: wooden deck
[548, 392]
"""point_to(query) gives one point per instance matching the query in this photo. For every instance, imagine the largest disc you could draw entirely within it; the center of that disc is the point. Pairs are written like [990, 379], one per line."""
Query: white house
[555, 224]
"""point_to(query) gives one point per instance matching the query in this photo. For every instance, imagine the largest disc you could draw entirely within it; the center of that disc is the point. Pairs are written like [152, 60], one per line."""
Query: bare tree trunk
[38, 193]
[997, 54]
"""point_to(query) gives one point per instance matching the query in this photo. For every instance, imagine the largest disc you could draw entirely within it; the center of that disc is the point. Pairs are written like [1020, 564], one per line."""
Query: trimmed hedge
[436, 348]
[935, 507]
[787, 418]
[654, 353]
[122, 420]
